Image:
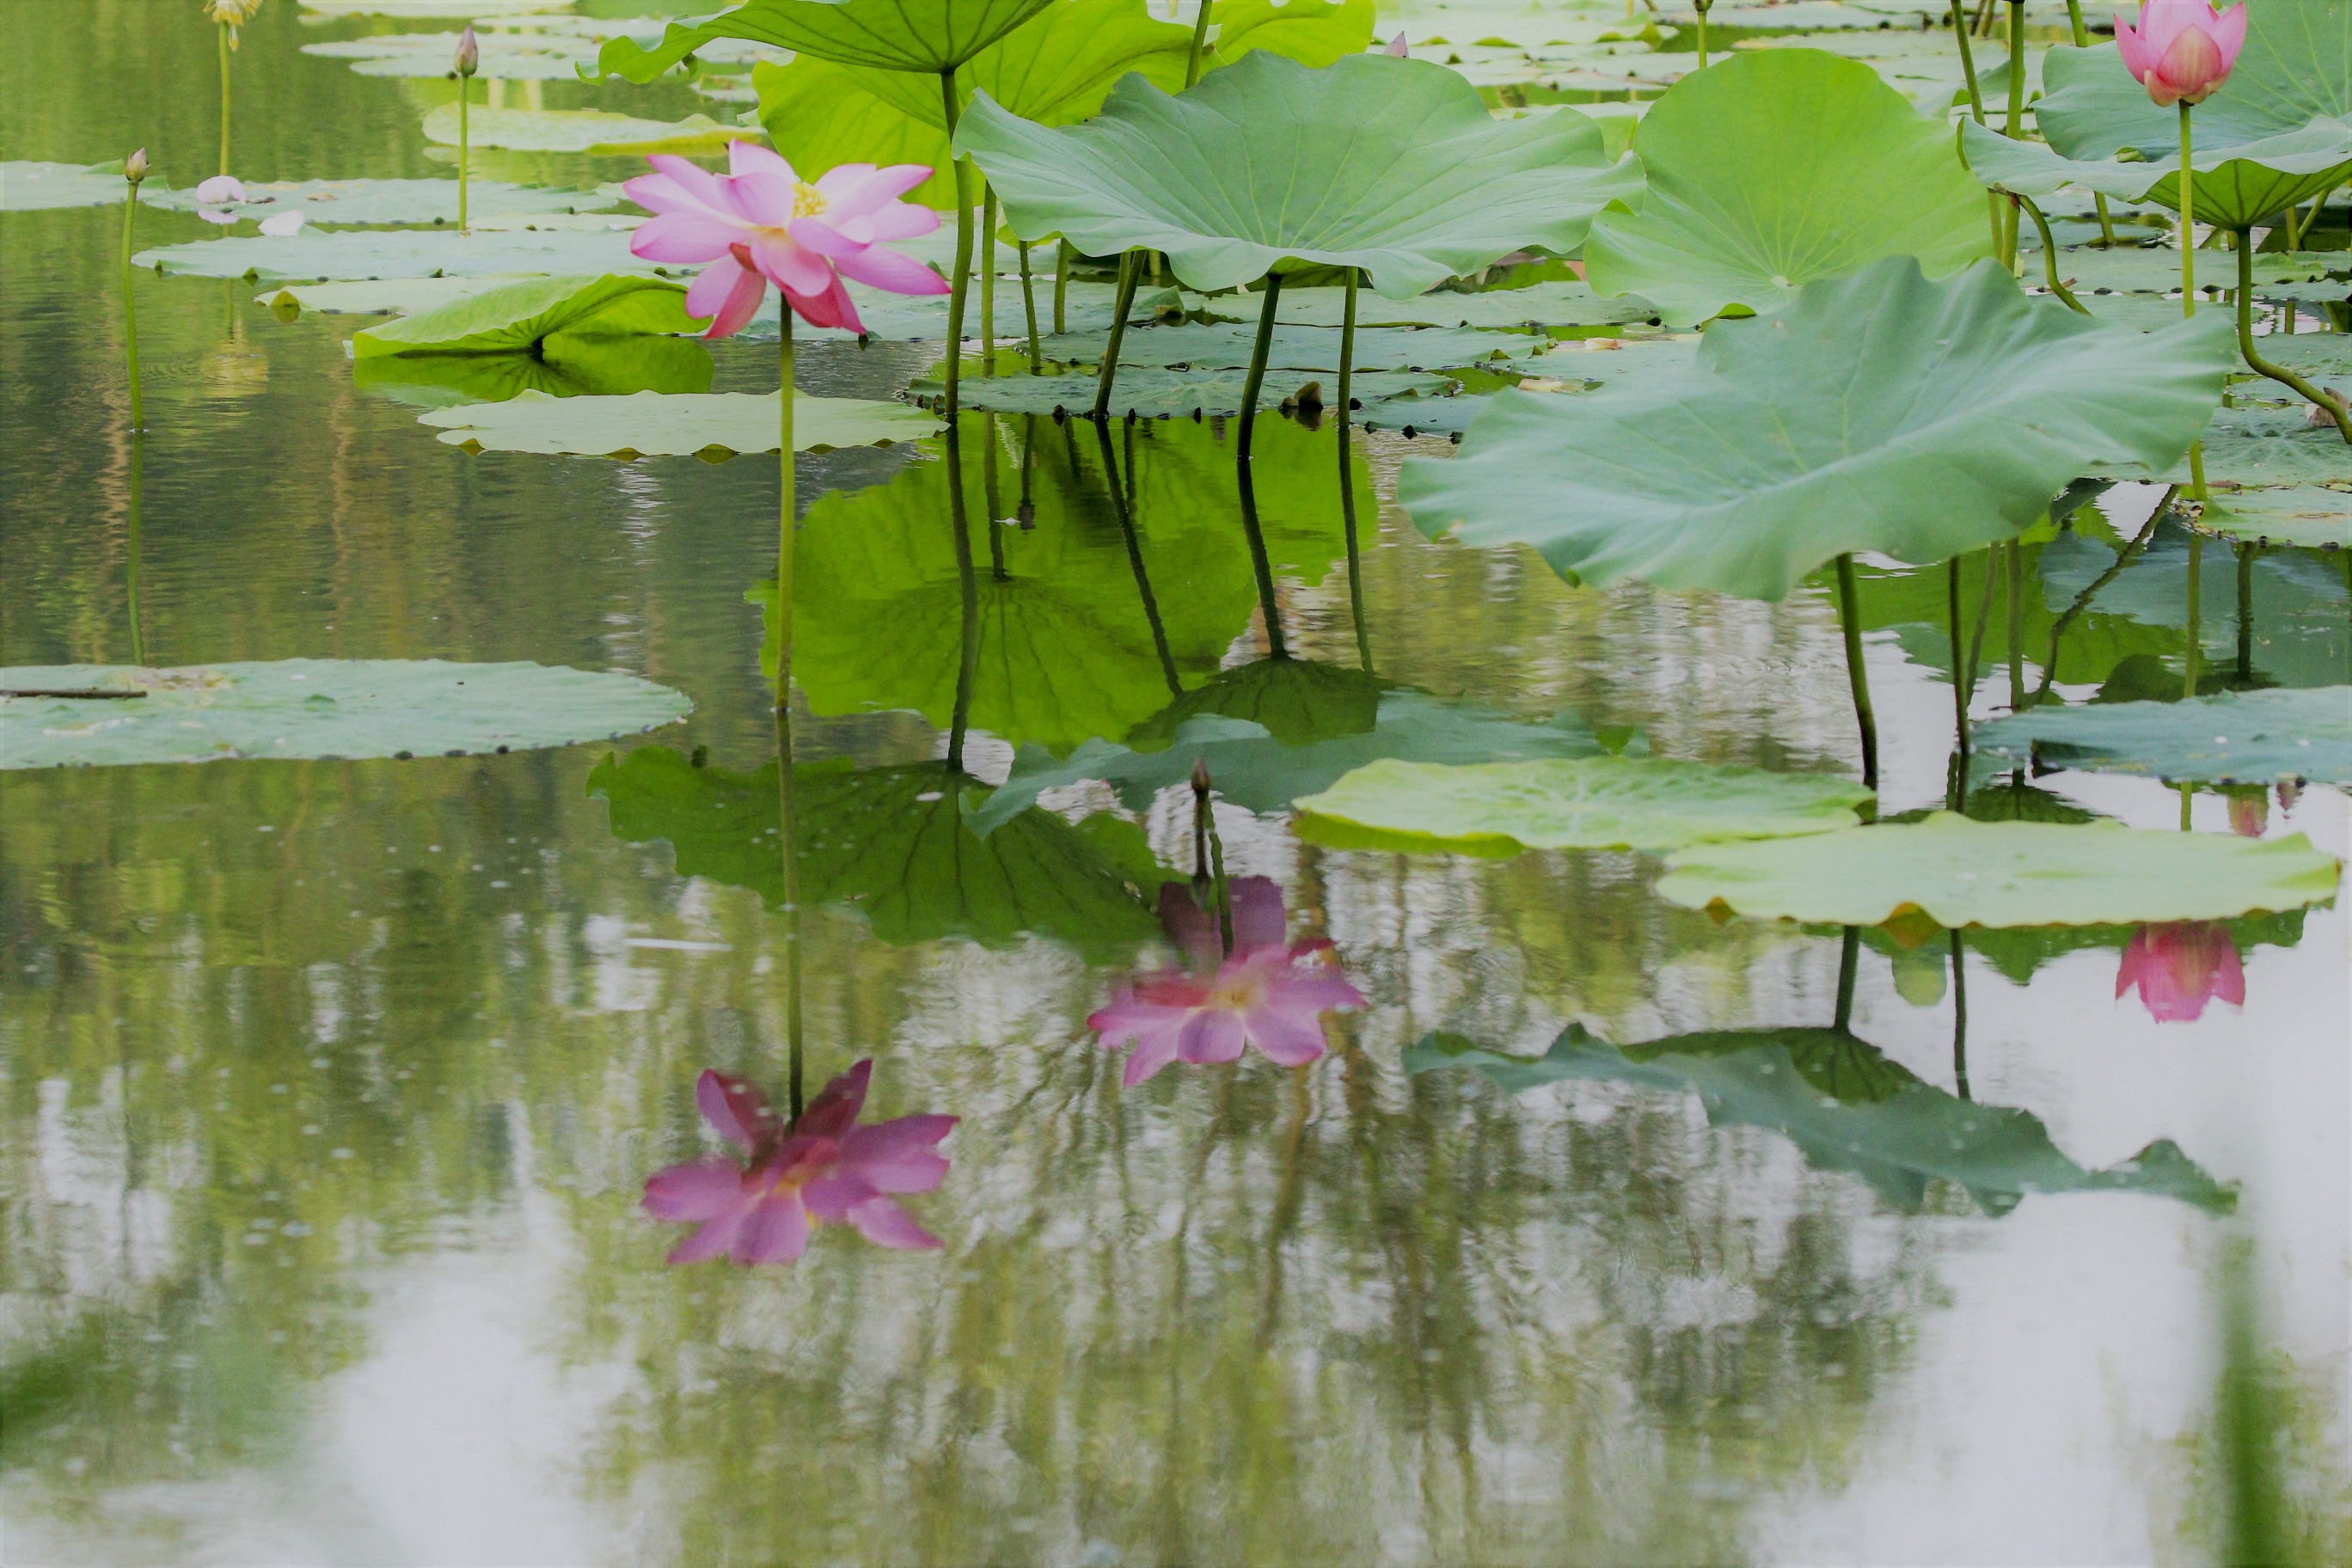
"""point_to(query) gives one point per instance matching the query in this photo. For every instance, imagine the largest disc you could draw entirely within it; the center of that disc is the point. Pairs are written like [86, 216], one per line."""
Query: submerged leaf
[675, 424]
[2242, 737]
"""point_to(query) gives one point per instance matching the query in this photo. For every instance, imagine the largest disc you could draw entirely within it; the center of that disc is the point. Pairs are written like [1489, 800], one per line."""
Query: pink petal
[2230, 976]
[713, 1238]
[2229, 32]
[897, 1156]
[834, 307]
[726, 292]
[831, 1198]
[854, 190]
[815, 234]
[2137, 57]
[790, 267]
[2161, 21]
[885, 1223]
[1258, 918]
[736, 1110]
[2191, 67]
[765, 200]
[1285, 1035]
[776, 1231]
[835, 1110]
[1211, 1034]
[701, 1190]
[751, 158]
[899, 220]
[1190, 925]
[1154, 1050]
[678, 184]
[685, 237]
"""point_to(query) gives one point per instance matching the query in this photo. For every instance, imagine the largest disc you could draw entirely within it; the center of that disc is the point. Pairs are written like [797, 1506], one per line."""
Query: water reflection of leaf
[1848, 1108]
[893, 843]
[565, 366]
[1296, 701]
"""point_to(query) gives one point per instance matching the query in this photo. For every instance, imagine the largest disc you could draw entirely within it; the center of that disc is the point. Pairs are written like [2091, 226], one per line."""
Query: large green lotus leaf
[314, 707]
[932, 36]
[2296, 65]
[1149, 392]
[598, 130]
[891, 842]
[1228, 345]
[1395, 166]
[1847, 1107]
[1252, 769]
[2237, 186]
[2236, 737]
[1883, 412]
[1314, 32]
[659, 425]
[382, 252]
[1538, 305]
[1964, 873]
[524, 314]
[1776, 169]
[1299, 702]
[2307, 517]
[560, 367]
[1653, 804]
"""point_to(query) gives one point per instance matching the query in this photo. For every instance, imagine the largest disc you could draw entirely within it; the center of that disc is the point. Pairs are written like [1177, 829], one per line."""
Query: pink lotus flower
[2183, 49]
[1262, 994]
[2180, 967]
[1398, 48]
[760, 224]
[822, 1170]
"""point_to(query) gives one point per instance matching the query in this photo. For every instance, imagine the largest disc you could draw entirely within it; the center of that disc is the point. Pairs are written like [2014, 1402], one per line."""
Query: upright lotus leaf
[2237, 185]
[931, 35]
[2296, 65]
[527, 314]
[1653, 804]
[1316, 33]
[2241, 737]
[1779, 168]
[1395, 166]
[891, 842]
[1848, 1106]
[675, 424]
[313, 707]
[1883, 412]
[1056, 71]
[1964, 873]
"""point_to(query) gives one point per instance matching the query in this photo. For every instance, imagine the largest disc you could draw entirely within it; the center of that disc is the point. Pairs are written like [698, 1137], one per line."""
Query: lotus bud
[1397, 46]
[1200, 775]
[134, 168]
[2183, 50]
[469, 52]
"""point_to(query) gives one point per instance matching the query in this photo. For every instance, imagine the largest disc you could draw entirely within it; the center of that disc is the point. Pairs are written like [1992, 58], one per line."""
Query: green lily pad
[1848, 1108]
[2249, 445]
[1774, 170]
[379, 296]
[1223, 346]
[1538, 305]
[314, 707]
[37, 185]
[926, 36]
[1150, 393]
[564, 365]
[390, 201]
[2237, 186]
[531, 313]
[1653, 804]
[892, 843]
[360, 254]
[2131, 270]
[659, 425]
[2236, 737]
[2296, 65]
[2308, 516]
[504, 56]
[1410, 178]
[1964, 873]
[1806, 434]
[582, 131]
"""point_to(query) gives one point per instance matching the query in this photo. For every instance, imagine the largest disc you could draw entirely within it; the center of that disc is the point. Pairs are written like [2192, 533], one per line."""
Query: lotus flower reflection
[2182, 49]
[760, 224]
[822, 1170]
[1263, 994]
[2180, 967]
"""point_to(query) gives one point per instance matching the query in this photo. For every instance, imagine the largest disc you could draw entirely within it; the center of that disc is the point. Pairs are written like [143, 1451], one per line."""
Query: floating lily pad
[1964, 873]
[33, 185]
[1555, 303]
[1847, 1107]
[2131, 270]
[1883, 412]
[1410, 178]
[2308, 516]
[529, 313]
[536, 56]
[657, 424]
[314, 707]
[2236, 186]
[1654, 803]
[391, 201]
[356, 254]
[2249, 444]
[2241, 737]
[1773, 170]
[921, 36]
[380, 297]
[562, 365]
[891, 842]
[596, 131]
[1149, 391]
[1221, 345]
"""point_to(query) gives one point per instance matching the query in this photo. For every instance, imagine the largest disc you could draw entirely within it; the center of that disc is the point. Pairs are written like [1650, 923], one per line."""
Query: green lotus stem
[959, 286]
[2196, 606]
[2188, 291]
[1257, 377]
[465, 94]
[987, 278]
[1960, 666]
[1959, 1015]
[1857, 677]
[224, 64]
[2016, 132]
[968, 583]
[1029, 305]
[1122, 301]
[2082, 41]
[1348, 479]
[2014, 603]
[2246, 553]
[1061, 285]
[131, 562]
[1261, 564]
[1126, 520]
[2277, 372]
[1200, 39]
[1849, 961]
[2050, 256]
[1968, 63]
[1703, 8]
[131, 305]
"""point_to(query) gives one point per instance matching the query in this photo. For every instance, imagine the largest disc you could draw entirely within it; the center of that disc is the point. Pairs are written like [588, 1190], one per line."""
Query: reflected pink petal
[702, 1190]
[775, 1231]
[1259, 921]
[712, 1240]
[1211, 1034]
[2180, 967]
[736, 1110]
[1288, 1037]
[898, 1156]
[885, 1223]
[835, 1110]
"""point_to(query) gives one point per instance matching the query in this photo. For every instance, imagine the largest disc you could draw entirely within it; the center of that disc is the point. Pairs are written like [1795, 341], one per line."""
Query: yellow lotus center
[807, 201]
[1240, 993]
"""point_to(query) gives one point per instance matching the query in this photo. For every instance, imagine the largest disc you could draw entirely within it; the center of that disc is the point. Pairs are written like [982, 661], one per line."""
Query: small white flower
[283, 225]
[221, 188]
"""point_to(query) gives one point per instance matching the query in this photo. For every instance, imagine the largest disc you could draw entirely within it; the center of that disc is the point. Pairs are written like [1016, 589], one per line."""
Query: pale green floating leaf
[1538, 305]
[2236, 737]
[1653, 804]
[2131, 270]
[35, 185]
[2248, 445]
[2237, 186]
[922, 36]
[314, 707]
[1847, 1107]
[1883, 412]
[584, 130]
[355, 255]
[1778, 169]
[657, 424]
[527, 314]
[1963, 873]
[1149, 392]
[1228, 345]
[383, 296]
[2307, 517]
[397, 201]
[1395, 166]
[504, 56]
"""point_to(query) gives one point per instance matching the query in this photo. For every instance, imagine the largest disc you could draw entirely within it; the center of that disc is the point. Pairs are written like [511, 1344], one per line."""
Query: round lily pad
[673, 424]
[1654, 803]
[2236, 737]
[317, 707]
[2310, 517]
[1964, 873]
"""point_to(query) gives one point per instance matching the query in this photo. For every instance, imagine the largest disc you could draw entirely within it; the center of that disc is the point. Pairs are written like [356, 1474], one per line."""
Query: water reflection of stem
[465, 138]
[1258, 355]
[960, 284]
[1849, 959]
[1122, 301]
[1135, 563]
[1984, 619]
[131, 307]
[2050, 258]
[968, 668]
[2254, 1503]
[2014, 602]
[1261, 564]
[987, 278]
[2195, 630]
[1200, 39]
[994, 498]
[1857, 677]
[2245, 612]
[2256, 362]
[1029, 305]
[2083, 600]
[138, 460]
[1348, 479]
[1959, 1014]
[1061, 285]
[1960, 690]
[787, 814]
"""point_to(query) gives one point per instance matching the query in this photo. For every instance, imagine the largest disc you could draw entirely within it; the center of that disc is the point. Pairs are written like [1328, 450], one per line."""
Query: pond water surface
[330, 1089]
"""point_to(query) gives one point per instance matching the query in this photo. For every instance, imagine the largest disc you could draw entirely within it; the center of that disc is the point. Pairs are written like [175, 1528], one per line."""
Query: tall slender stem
[464, 96]
[1976, 107]
[1849, 961]
[223, 69]
[1135, 564]
[1959, 659]
[960, 284]
[2082, 41]
[1257, 378]
[2049, 258]
[987, 278]
[1200, 39]
[2016, 132]
[1029, 305]
[2254, 360]
[1061, 286]
[1348, 479]
[1703, 8]
[2188, 282]
[968, 583]
[130, 306]
[1857, 677]
[787, 814]
[1122, 301]
[130, 563]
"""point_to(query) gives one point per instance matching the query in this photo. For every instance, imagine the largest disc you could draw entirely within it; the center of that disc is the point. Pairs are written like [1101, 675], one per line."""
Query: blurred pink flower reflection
[2180, 967]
